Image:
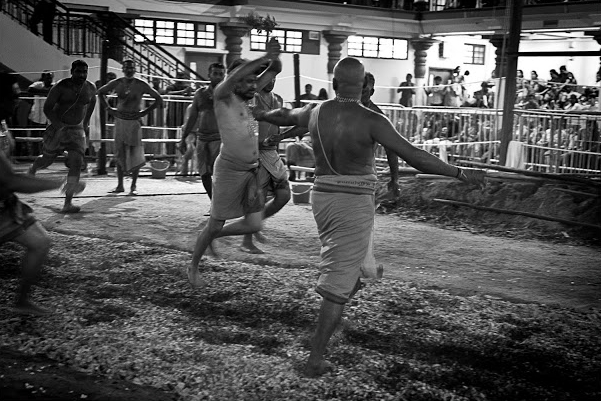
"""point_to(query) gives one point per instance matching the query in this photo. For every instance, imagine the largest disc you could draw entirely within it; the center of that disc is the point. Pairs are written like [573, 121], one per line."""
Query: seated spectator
[484, 98]
[300, 153]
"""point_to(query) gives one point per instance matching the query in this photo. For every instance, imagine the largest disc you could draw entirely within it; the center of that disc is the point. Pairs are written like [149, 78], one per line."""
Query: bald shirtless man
[129, 150]
[345, 134]
[236, 190]
[68, 107]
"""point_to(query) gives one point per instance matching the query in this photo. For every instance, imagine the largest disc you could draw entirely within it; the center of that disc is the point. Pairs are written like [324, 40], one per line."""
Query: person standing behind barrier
[308, 95]
[272, 171]
[345, 134]
[37, 118]
[391, 157]
[236, 190]
[69, 106]
[406, 94]
[208, 140]
[129, 150]
[435, 93]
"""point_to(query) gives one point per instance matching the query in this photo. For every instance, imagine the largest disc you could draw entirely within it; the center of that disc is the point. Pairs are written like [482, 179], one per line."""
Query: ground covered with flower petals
[128, 326]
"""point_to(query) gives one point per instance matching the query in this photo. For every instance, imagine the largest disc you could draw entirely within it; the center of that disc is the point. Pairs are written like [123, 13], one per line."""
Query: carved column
[420, 49]
[500, 61]
[335, 40]
[234, 31]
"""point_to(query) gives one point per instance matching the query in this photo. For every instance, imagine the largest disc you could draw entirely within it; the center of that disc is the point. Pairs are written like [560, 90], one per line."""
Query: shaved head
[349, 71]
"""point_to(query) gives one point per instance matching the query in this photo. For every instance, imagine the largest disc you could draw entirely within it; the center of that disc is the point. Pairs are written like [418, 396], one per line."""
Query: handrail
[83, 34]
[133, 32]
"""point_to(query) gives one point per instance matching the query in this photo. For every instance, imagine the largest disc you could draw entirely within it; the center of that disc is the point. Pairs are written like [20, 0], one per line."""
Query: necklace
[346, 100]
[252, 125]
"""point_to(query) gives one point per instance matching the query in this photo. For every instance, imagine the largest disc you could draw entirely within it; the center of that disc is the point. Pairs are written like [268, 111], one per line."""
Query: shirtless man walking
[236, 190]
[272, 170]
[129, 150]
[344, 134]
[68, 107]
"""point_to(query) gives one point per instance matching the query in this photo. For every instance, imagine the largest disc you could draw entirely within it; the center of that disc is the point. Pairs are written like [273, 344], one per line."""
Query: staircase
[88, 35]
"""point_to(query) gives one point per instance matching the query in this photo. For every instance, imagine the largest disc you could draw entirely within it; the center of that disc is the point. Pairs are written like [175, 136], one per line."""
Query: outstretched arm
[383, 132]
[289, 133]
[286, 117]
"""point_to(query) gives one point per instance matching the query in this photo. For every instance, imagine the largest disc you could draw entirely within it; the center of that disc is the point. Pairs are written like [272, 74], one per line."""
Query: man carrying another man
[344, 134]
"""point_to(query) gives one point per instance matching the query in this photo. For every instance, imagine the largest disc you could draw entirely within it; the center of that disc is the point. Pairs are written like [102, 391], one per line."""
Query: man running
[208, 140]
[236, 188]
[129, 150]
[345, 134]
[272, 171]
[69, 106]
[17, 222]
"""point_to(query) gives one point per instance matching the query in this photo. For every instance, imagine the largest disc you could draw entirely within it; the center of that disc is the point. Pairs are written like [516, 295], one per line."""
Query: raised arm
[226, 87]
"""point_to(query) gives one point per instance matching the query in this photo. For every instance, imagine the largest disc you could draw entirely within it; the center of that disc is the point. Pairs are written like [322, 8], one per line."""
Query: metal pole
[513, 44]
[296, 61]
[101, 159]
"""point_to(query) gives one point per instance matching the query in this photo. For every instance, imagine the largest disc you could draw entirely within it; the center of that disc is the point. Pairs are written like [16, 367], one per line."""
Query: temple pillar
[420, 50]
[234, 31]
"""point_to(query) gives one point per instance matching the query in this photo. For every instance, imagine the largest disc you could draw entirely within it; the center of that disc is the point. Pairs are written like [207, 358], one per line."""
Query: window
[375, 47]
[474, 54]
[163, 32]
[291, 41]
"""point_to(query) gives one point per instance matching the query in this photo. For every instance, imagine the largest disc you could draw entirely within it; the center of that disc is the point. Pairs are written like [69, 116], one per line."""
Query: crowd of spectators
[560, 92]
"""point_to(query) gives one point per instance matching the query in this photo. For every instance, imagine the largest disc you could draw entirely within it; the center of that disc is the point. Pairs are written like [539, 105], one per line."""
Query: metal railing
[552, 141]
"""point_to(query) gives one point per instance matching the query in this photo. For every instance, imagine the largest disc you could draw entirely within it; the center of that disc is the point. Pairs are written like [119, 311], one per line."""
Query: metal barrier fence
[552, 141]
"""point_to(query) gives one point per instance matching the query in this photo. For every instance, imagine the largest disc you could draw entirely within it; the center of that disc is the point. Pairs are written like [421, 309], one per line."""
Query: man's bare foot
[260, 237]
[117, 190]
[251, 248]
[29, 308]
[194, 277]
[133, 192]
[314, 370]
[70, 209]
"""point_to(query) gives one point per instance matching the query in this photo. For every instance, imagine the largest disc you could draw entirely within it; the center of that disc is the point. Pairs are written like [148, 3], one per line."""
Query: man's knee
[214, 227]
